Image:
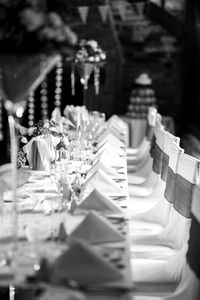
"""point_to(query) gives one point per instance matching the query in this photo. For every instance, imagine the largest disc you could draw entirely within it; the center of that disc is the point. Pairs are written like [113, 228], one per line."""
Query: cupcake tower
[142, 96]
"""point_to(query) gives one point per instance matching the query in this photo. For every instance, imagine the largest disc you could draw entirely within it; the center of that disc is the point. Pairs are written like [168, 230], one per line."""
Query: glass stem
[13, 143]
[84, 96]
[1, 202]
[11, 292]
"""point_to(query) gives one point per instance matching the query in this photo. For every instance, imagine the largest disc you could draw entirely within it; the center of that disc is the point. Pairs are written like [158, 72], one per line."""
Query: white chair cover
[189, 285]
[176, 232]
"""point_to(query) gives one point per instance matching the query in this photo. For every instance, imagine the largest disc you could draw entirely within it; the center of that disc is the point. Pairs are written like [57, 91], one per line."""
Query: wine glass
[19, 75]
[85, 70]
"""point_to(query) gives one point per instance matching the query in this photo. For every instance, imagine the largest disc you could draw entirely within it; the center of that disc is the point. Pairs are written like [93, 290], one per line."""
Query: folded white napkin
[95, 229]
[107, 135]
[151, 116]
[116, 132]
[102, 181]
[99, 165]
[99, 202]
[84, 266]
[40, 153]
[114, 148]
[56, 115]
[111, 159]
[118, 123]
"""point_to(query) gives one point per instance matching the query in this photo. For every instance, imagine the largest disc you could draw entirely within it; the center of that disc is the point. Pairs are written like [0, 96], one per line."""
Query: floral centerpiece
[48, 136]
[89, 51]
[28, 29]
[27, 26]
[89, 57]
[31, 32]
[21, 158]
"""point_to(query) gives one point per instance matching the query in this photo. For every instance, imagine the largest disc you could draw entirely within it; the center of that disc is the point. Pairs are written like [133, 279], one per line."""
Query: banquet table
[40, 236]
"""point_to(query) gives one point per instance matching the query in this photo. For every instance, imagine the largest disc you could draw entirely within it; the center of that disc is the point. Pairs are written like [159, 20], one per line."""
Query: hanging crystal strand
[31, 109]
[44, 91]
[58, 89]
[14, 149]
[1, 119]
[73, 79]
[1, 110]
[96, 78]
[44, 100]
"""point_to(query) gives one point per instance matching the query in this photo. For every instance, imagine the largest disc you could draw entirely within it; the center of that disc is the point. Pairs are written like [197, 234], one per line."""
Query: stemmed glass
[85, 69]
[57, 178]
[19, 75]
[97, 120]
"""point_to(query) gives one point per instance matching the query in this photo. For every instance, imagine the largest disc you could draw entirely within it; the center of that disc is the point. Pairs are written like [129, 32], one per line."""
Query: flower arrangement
[88, 58]
[89, 52]
[45, 128]
[31, 25]
[21, 158]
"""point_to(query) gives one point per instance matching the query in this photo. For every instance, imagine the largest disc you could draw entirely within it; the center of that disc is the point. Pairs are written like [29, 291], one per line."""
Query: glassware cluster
[74, 157]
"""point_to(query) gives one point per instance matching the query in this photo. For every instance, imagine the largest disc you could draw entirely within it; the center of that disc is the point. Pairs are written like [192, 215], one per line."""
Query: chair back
[186, 178]
[168, 140]
[151, 122]
[193, 257]
[175, 152]
[189, 286]
[154, 150]
[158, 150]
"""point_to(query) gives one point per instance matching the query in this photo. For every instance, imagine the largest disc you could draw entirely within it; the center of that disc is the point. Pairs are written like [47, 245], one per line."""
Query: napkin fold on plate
[97, 201]
[108, 136]
[102, 181]
[112, 159]
[112, 147]
[118, 123]
[99, 165]
[82, 265]
[109, 131]
[40, 152]
[95, 229]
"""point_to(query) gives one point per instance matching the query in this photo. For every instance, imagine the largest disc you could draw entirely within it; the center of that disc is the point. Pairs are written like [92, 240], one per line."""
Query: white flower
[103, 56]
[55, 19]
[24, 140]
[71, 36]
[92, 43]
[31, 19]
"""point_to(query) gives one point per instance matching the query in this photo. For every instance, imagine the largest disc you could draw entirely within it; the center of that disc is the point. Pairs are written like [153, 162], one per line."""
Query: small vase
[85, 69]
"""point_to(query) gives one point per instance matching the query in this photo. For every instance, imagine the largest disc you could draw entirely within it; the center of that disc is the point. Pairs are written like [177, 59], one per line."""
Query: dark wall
[190, 112]
[154, 45]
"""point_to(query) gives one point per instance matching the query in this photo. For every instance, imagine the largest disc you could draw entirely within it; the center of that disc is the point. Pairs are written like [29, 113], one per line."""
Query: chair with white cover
[146, 227]
[189, 285]
[138, 158]
[115, 123]
[176, 233]
[180, 215]
[159, 212]
[151, 122]
[153, 193]
[153, 185]
[138, 173]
